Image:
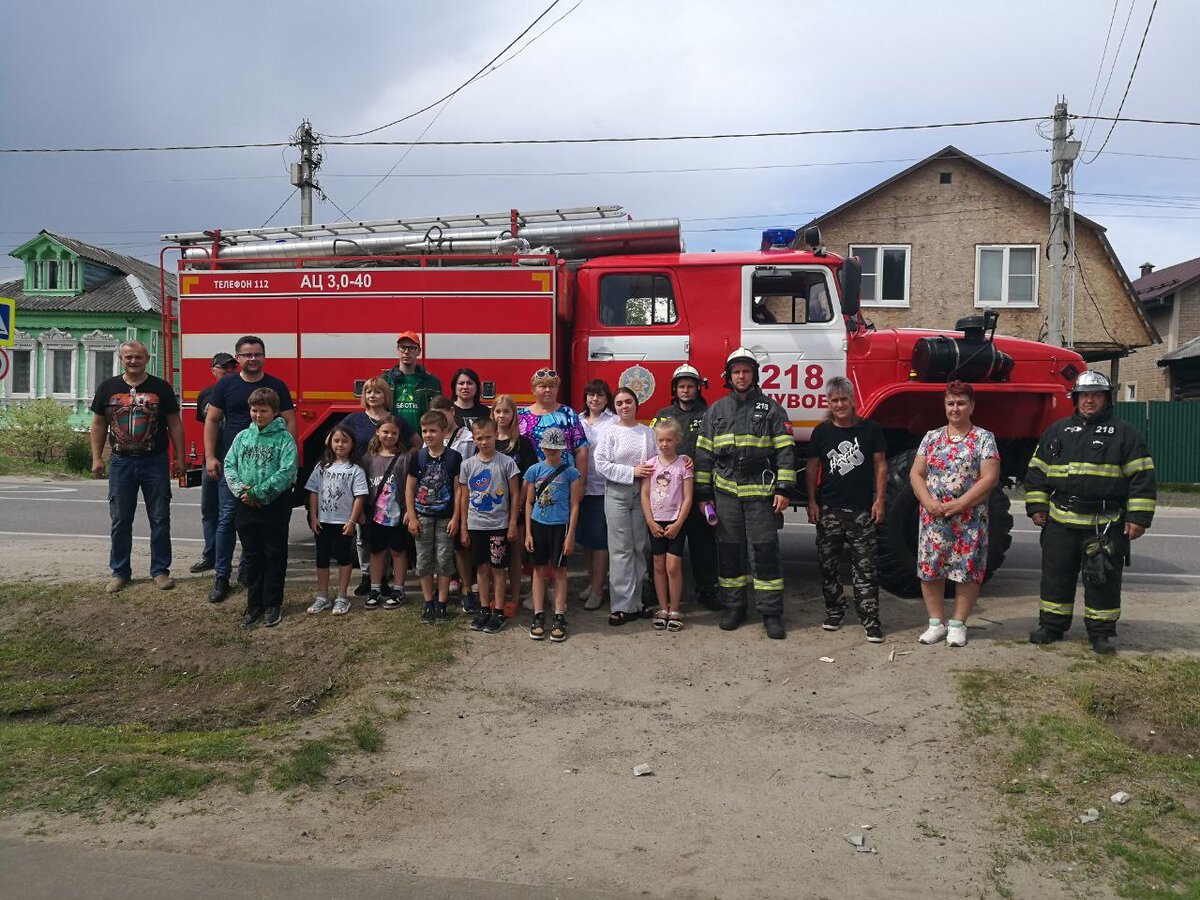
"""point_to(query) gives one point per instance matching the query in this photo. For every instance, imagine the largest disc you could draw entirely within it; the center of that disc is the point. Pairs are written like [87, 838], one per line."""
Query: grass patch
[1061, 744]
[109, 705]
[19, 465]
[307, 764]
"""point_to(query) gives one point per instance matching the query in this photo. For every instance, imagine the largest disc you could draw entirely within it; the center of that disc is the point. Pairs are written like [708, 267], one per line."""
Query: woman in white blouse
[592, 533]
[621, 458]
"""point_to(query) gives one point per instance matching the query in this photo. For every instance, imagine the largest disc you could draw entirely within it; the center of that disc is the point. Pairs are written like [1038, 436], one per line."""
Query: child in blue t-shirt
[431, 497]
[552, 492]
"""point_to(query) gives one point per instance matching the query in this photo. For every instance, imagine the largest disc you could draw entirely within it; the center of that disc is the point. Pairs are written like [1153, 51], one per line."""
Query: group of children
[479, 497]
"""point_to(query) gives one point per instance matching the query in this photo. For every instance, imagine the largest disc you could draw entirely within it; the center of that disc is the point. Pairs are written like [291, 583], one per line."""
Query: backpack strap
[543, 483]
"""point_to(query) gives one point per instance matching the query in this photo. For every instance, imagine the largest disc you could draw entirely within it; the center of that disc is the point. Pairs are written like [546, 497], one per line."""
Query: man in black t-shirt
[229, 413]
[137, 413]
[846, 476]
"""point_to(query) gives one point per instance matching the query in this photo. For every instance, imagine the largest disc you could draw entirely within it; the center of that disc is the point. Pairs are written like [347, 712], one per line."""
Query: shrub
[78, 454]
[38, 430]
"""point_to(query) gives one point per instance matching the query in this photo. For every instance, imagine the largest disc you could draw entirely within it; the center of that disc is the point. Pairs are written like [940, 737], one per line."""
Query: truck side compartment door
[639, 334]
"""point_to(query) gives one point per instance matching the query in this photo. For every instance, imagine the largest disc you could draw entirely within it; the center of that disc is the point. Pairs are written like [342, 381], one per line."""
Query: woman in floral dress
[954, 472]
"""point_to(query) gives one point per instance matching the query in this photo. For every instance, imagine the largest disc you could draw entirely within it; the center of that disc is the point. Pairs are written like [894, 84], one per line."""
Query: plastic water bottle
[710, 513]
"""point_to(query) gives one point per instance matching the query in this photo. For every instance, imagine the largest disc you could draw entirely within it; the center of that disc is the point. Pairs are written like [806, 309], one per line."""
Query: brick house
[75, 305]
[1171, 300]
[950, 235]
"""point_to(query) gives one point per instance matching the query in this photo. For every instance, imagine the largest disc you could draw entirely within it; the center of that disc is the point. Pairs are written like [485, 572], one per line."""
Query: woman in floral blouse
[956, 468]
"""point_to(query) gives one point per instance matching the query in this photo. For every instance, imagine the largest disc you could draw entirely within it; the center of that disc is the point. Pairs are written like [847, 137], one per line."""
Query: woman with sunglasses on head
[546, 412]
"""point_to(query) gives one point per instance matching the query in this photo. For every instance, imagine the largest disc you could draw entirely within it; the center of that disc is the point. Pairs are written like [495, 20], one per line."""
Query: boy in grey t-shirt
[488, 507]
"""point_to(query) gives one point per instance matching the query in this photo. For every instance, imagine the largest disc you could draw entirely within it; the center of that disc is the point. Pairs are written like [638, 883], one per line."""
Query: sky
[76, 73]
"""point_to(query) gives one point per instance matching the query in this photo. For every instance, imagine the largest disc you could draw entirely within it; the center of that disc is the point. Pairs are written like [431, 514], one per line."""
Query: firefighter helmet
[741, 354]
[686, 371]
[1091, 381]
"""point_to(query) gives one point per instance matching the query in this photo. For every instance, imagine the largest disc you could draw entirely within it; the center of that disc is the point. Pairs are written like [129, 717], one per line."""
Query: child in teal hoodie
[260, 469]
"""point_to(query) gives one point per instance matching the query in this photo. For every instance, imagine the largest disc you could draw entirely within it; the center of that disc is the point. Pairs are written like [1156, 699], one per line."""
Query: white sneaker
[341, 606]
[320, 605]
[933, 634]
[956, 636]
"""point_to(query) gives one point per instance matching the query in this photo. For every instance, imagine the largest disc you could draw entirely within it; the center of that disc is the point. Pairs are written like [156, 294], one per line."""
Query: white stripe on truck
[487, 346]
[206, 346]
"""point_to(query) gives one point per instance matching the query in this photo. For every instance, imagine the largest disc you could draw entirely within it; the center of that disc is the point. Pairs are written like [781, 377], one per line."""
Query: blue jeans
[225, 533]
[210, 505]
[152, 474]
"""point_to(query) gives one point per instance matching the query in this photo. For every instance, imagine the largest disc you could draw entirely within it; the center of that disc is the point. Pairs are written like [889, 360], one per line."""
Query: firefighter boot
[774, 628]
[1044, 635]
[1103, 644]
[734, 616]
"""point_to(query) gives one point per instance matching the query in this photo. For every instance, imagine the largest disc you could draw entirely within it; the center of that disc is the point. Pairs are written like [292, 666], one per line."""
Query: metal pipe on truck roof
[567, 239]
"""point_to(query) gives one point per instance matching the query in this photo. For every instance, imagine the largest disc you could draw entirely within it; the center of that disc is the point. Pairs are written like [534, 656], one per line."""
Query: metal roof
[1167, 281]
[1190, 350]
[134, 287]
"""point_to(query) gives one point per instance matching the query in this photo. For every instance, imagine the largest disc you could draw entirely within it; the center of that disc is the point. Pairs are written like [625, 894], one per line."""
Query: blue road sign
[8, 321]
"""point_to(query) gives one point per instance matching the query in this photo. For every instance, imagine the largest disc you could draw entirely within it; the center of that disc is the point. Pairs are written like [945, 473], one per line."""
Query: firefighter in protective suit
[744, 464]
[1090, 488]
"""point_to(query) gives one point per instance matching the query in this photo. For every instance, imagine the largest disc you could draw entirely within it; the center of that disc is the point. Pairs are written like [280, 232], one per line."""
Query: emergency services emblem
[639, 380]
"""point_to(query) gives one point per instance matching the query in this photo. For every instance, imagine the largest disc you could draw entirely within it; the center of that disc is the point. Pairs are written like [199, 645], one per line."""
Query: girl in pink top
[666, 501]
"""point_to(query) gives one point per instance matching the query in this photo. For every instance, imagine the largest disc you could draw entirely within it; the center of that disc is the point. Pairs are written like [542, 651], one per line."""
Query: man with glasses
[228, 414]
[412, 387]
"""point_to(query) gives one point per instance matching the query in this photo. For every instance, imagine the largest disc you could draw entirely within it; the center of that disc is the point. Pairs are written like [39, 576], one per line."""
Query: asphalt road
[43, 511]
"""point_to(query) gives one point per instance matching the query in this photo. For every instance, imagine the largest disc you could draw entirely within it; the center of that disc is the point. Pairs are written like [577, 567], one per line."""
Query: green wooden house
[75, 305]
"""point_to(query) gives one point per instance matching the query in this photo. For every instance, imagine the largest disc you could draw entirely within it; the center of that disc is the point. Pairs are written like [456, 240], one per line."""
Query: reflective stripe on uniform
[738, 581]
[1063, 517]
[775, 584]
[704, 443]
[1101, 615]
[781, 440]
[703, 477]
[1037, 497]
[1036, 463]
[1140, 504]
[786, 474]
[1058, 609]
[1138, 465]
[743, 491]
[1066, 470]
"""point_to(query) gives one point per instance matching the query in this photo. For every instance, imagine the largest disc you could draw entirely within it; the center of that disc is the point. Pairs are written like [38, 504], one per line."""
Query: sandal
[621, 617]
[674, 622]
[660, 620]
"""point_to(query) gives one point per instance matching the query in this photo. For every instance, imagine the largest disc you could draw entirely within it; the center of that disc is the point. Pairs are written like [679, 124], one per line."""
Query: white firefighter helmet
[685, 371]
[741, 354]
[1091, 381]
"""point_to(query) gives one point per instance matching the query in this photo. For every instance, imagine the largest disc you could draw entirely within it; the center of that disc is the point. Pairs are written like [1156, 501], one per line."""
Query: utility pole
[304, 172]
[1062, 159]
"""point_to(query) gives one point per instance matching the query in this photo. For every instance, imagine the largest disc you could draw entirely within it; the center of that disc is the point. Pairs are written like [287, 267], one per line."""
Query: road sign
[4, 365]
[8, 321]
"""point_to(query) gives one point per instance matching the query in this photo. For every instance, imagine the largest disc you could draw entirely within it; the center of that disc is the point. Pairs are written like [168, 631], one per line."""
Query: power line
[1104, 54]
[1128, 84]
[1112, 68]
[479, 73]
[502, 142]
[279, 207]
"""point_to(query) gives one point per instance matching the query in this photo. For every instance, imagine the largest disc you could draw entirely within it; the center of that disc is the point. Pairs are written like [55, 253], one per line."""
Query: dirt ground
[516, 762]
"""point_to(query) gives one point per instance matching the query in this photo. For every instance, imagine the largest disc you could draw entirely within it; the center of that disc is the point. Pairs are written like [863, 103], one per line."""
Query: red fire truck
[593, 293]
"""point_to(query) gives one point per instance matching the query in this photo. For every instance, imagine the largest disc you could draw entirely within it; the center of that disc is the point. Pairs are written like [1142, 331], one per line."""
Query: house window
[945, 177]
[789, 297]
[21, 381]
[1130, 393]
[101, 367]
[1006, 275]
[637, 300]
[60, 372]
[885, 273]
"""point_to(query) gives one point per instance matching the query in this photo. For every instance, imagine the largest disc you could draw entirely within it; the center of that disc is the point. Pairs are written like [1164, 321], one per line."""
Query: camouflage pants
[838, 528]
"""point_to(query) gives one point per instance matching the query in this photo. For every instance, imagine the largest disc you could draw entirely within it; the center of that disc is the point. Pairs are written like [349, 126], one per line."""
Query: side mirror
[812, 236]
[851, 278]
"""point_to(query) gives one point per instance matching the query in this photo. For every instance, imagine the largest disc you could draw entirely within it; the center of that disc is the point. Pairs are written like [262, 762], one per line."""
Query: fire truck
[594, 293]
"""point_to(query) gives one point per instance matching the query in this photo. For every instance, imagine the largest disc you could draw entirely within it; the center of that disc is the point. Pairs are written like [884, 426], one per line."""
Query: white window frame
[1130, 392]
[99, 342]
[879, 249]
[63, 341]
[1004, 276]
[23, 343]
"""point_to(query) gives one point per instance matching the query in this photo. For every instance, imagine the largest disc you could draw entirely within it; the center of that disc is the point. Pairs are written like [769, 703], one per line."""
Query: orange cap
[408, 336]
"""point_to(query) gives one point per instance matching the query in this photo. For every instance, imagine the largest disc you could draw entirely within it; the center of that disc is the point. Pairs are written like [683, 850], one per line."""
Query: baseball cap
[221, 360]
[408, 336]
[553, 439]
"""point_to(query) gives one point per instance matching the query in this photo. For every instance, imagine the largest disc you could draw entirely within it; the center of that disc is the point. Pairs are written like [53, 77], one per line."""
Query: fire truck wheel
[896, 557]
